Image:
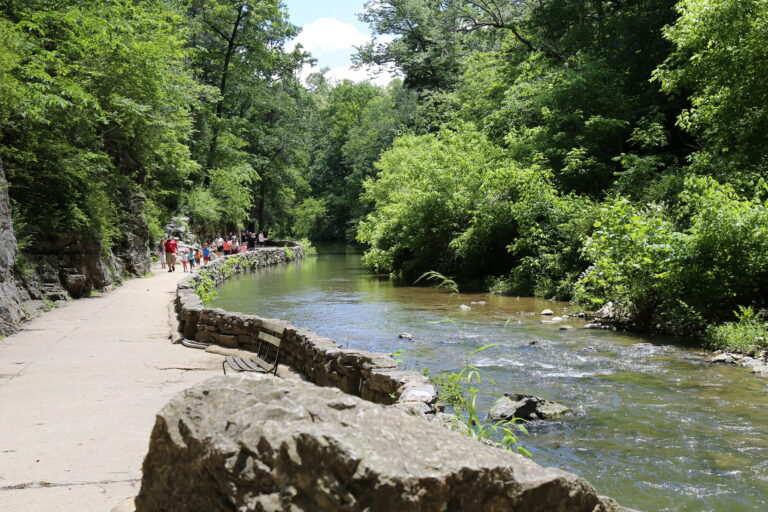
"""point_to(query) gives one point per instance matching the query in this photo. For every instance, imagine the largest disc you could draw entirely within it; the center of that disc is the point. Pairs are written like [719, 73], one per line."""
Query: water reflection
[656, 427]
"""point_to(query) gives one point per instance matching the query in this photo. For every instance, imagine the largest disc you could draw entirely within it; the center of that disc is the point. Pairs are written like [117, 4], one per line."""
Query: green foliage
[308, 216]
[424, 194]
[454, 199]
[48, 304]
[88, 130]
[679, 267]
[230, 266]
[720, 47]
[747, 335]
[352, 125]
[290, 255]
[458, 390]
[307, 247]
[205, 286]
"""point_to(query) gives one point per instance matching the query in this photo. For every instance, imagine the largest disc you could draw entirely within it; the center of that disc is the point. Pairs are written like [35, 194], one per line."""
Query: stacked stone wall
[369, 375]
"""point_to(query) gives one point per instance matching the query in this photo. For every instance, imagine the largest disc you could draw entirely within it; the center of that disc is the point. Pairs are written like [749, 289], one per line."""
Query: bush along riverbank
[586, 175]
[696, 268]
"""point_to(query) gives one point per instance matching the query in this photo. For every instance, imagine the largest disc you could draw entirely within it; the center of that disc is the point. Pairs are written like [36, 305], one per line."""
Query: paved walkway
[79, 389]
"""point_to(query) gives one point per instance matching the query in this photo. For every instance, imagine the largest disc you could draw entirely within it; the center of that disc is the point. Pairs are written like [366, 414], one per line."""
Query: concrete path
[79, 389]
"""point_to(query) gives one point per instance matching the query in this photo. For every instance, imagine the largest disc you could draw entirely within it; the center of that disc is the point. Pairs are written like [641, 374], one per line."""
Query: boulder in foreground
[266, 444]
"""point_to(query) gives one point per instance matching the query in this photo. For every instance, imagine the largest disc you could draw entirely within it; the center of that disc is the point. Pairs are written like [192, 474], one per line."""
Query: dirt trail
[79, 389]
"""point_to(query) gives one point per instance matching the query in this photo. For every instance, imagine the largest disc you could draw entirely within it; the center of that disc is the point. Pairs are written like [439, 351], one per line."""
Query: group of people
[227, 245]
[170, 251]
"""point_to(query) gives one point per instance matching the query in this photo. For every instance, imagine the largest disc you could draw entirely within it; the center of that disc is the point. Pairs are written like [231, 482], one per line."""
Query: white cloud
[340, 73]
[326, 35]
[332, 43]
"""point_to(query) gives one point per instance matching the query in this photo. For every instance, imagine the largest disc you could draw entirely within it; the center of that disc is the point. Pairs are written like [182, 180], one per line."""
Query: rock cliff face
[11, 311]
[63, 267]
[265, 444]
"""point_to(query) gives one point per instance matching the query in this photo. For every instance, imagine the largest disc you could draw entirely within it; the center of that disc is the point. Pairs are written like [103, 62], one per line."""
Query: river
[656, 426]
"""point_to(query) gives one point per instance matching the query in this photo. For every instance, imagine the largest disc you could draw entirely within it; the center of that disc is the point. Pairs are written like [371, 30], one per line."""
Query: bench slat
[269, 338]
[269, 326]
[252, 364]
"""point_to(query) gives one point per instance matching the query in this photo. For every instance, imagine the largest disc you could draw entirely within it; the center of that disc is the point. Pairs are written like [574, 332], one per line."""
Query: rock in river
[547, 312]
[527, 407]
[406, 336]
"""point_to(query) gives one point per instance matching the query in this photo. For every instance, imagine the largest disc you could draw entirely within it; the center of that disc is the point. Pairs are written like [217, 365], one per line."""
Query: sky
[330, 31]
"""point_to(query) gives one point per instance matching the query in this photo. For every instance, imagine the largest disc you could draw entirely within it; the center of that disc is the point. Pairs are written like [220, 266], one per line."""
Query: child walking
[206, 254]
[184, 259]
[191, 256]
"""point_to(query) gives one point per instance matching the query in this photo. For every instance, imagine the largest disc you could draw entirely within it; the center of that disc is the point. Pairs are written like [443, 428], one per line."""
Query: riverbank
[79, 390]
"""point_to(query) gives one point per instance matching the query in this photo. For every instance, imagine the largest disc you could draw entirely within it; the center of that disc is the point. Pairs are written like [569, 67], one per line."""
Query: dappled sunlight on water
[655, 427]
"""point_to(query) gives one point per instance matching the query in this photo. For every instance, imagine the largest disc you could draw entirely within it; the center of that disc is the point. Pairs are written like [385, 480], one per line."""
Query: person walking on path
[161, 253]
[227, 247]
[191, 257]
[170, 253]
[206, 254]
[183, 258]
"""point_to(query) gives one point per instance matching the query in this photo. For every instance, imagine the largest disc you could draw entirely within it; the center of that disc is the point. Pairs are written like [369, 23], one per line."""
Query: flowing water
[656, 426]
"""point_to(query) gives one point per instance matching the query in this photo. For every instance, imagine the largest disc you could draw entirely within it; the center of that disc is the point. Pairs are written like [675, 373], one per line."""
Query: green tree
[720, 47]
[99, 122]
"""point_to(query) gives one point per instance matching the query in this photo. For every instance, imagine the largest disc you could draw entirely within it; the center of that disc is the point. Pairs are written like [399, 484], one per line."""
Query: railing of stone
[369, 375]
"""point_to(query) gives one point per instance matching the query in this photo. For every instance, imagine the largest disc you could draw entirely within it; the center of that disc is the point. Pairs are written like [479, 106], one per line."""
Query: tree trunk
[223, 88]
[262, 200]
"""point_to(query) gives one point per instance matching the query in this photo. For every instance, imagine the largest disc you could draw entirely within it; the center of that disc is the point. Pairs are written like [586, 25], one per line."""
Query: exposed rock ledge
[266, 444]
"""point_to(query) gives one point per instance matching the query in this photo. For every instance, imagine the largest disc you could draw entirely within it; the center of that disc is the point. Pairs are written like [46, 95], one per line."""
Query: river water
[656, 427]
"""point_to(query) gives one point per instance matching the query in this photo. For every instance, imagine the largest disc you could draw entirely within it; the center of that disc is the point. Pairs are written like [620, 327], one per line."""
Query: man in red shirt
[170, 254]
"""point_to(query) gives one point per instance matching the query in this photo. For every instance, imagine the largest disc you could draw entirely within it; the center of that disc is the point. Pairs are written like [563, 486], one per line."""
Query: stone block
[225, 340]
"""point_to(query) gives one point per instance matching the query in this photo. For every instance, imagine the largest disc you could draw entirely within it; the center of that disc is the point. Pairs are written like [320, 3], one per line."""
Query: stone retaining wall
[369, 375]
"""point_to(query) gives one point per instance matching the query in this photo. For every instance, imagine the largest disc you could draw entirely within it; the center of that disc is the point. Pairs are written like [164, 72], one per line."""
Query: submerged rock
[547, 312]
[527, 407]
[260, 443]
[405, 336]
[464, 307]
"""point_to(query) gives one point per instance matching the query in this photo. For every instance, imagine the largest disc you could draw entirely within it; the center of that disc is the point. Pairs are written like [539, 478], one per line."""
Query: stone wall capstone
[257, 443]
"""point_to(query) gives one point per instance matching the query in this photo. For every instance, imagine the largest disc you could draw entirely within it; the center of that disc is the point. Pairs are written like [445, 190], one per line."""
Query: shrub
[748, 334]
[204, 286]
[681, 267]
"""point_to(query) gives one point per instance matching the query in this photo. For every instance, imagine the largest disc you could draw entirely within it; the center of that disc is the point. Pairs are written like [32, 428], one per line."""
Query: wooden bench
[266, 357]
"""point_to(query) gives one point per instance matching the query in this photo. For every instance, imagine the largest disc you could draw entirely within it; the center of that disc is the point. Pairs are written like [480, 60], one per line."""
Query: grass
[440, 281]
[747, 335]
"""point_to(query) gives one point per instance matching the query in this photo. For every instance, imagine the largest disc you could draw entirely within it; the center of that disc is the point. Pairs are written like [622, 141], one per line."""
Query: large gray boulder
[251, 442]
